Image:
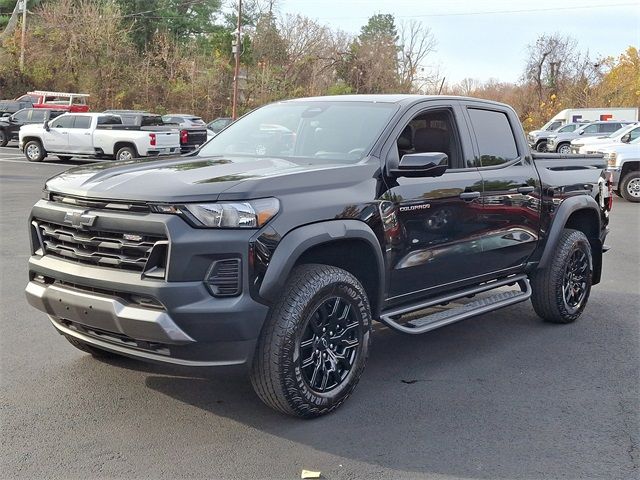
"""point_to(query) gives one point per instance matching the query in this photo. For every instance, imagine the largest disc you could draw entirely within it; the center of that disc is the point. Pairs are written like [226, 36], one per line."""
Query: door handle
[469, 195]
[88, 133]
[526, 189]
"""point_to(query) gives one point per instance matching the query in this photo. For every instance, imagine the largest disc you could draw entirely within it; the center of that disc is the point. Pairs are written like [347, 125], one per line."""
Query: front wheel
[314, 344]
[564, 149]
[34, 151]
[630, 187]
[561, 290]
[541, 147]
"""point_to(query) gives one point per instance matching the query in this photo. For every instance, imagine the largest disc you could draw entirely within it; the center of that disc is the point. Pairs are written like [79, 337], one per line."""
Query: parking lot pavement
[502, 396]
[12, 154]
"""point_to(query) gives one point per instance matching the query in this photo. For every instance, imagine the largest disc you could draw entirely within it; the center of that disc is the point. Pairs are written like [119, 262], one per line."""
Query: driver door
[56, 139]
[432, 225]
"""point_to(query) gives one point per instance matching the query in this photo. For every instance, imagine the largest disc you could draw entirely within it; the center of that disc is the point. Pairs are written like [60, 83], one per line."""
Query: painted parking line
[6, 160]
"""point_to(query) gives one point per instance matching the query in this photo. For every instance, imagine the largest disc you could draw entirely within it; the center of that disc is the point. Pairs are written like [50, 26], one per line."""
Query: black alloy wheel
[329, 344]
[574, 284]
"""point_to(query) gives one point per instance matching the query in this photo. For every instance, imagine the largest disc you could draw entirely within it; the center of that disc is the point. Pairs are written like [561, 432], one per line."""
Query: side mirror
[46, 125]
[6, 114]
[580, 132]
[432, 164]
[626, 138]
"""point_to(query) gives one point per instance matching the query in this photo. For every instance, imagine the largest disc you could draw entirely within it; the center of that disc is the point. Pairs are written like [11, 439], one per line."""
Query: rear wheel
[90, 349]
[314, 344]
[126, 153]
[561, 290]
[4, 138]
[34, 152]
[630, 187]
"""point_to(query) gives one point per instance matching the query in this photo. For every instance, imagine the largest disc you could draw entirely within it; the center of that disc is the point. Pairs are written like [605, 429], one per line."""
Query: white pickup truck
[98, 135]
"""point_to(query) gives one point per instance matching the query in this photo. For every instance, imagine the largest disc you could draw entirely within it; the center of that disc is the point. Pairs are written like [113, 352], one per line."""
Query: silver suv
[561, 142]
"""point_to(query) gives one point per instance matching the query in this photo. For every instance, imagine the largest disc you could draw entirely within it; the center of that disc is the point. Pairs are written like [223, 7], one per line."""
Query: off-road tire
[276, 375]
[90, 349]
[548, 296]
[630, 177]
[36, 146]
[4, 138]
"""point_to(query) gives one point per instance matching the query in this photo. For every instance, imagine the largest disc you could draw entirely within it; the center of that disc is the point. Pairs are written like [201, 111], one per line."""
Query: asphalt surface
[502, 396]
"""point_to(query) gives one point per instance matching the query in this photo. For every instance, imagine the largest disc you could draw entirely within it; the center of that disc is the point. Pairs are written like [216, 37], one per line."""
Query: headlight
[249, 214]
[610, 159]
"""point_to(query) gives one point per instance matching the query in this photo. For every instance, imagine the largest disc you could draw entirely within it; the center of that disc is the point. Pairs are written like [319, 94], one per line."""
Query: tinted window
[554, 125]
[151, 120]
[109, 120]
[21, 116]
[591, 128]
[82, 122]
[65, 121]
[494, 136]
[633, 134]
[609, 127]
[37, 115]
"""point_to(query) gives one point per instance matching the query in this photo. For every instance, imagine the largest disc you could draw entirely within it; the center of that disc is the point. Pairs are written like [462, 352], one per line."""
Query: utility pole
[236, 71]
[24, 32]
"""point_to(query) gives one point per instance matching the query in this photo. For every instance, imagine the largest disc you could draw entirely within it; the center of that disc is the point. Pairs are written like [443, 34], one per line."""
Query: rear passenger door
[511, 188]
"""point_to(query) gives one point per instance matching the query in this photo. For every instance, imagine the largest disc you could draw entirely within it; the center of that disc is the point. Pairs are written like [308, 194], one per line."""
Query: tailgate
[168, 139]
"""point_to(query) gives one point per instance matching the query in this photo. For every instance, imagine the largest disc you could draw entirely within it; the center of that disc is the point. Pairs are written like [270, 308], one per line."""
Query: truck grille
[128, 251]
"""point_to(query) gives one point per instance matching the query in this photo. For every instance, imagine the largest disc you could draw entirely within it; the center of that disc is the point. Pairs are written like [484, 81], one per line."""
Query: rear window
[609, 127]
[109, 120]
[151, 121]
[496, 142]
[196, 121]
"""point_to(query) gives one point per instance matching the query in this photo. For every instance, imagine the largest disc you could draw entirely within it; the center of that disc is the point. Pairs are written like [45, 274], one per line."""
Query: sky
[475, 41]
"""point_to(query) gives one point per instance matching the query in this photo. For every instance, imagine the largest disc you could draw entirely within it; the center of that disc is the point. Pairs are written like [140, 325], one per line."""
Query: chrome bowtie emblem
[79, 219]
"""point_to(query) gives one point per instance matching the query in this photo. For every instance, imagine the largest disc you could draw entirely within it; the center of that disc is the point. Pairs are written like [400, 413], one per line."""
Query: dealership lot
[503, 396]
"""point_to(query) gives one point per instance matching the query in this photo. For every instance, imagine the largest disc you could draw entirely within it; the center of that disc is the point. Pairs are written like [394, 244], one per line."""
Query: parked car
[10, 107]
[219, 123]
[623, 162]
[277, 244]
[96, 134]
[10, 125]
[594, 144]
[538, 138]
[561, 142]
[193, 130]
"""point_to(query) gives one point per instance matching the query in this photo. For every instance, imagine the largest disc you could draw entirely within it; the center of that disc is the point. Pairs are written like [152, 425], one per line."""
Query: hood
[189, 179]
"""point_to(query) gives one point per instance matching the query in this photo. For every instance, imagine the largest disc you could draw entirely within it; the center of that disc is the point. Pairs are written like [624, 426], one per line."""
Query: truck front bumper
[176, 319]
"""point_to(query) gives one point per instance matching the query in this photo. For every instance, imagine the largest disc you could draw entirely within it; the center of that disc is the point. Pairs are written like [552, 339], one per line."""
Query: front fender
[298, 241]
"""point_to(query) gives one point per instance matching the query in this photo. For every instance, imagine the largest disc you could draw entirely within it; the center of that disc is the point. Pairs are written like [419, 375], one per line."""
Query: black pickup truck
[278, 244]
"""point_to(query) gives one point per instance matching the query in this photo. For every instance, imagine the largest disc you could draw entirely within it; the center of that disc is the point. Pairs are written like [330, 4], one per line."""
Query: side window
[609, 127]
[82, 122]
[37, 115]
[633, 134]
[21, 116]
[495, 138]
[65, 121]
[432, 131]
[593, 128]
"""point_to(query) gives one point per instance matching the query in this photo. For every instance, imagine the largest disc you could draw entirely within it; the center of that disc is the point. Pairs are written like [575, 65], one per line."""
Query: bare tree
[416, 43]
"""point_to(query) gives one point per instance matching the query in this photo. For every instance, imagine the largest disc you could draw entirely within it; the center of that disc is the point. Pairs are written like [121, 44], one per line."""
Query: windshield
[567, 128]
[337, 131]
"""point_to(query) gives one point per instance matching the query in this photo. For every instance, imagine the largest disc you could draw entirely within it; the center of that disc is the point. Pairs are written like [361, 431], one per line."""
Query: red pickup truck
[71, 102]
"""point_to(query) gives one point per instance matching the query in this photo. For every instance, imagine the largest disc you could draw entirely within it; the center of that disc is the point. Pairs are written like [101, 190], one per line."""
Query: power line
[493, 12]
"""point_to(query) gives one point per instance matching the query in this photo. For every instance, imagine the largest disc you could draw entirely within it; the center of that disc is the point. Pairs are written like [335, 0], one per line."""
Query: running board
[471, 309]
